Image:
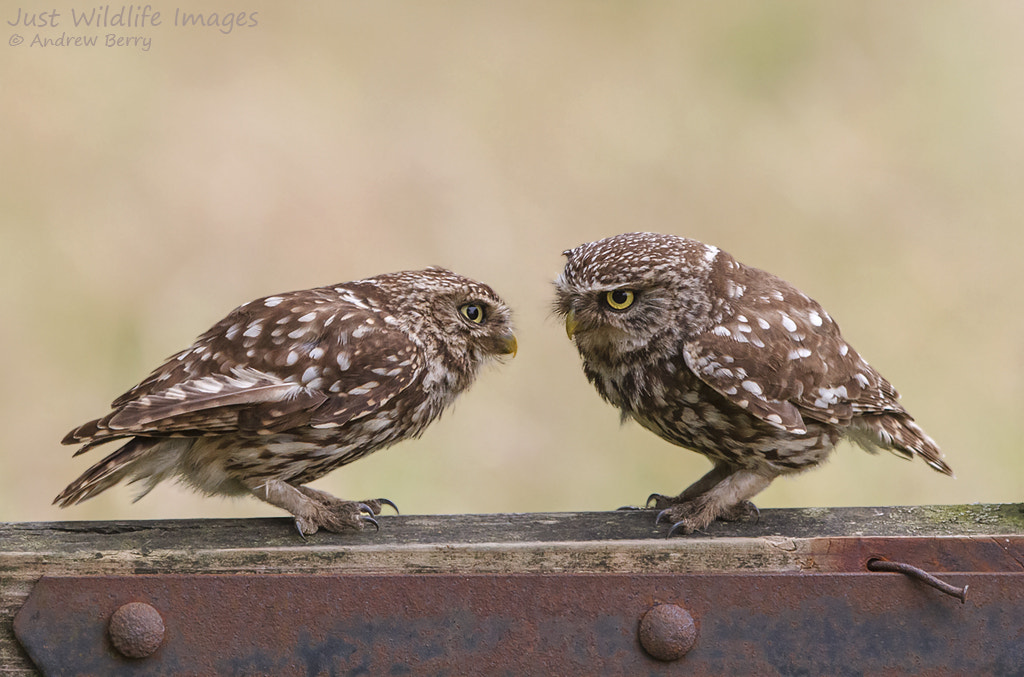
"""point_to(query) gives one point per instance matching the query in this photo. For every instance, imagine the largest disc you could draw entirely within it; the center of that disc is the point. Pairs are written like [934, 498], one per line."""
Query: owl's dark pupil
[473, 312]
[619, 297]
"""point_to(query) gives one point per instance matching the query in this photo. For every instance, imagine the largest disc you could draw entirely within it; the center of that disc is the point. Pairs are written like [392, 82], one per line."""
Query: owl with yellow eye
[727, 360]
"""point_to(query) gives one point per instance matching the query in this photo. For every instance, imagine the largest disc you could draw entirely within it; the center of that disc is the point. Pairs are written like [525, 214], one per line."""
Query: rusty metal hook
[877, 564]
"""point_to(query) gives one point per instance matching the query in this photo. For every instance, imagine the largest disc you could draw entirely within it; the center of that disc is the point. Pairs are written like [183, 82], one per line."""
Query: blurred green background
[871, 153]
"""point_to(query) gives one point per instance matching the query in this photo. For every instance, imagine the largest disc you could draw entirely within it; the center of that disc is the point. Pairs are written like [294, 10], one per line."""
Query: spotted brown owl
[727, 360]
[288, 387]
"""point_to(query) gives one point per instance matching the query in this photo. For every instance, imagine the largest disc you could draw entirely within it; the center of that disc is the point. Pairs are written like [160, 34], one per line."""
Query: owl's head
[627, 292]
[466, 319]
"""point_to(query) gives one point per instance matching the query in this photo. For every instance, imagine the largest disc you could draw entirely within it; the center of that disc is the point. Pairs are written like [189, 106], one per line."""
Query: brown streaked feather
[106, 473]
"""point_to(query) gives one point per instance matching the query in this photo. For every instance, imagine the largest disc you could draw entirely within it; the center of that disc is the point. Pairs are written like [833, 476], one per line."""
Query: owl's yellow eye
[474, 312]
[619, 299]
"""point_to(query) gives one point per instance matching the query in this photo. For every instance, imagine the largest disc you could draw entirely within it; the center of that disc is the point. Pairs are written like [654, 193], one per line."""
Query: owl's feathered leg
[314, 509]
[726, 499]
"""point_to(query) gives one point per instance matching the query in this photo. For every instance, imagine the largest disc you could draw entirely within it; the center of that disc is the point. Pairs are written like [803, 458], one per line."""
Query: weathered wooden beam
[623, 542]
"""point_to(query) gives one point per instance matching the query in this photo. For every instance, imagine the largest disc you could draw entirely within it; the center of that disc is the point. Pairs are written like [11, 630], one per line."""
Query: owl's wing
[271, 365]
[787, 364]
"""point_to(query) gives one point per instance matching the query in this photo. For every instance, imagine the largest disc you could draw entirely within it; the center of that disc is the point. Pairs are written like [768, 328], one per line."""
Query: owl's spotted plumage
[727, 360]
[288, 387]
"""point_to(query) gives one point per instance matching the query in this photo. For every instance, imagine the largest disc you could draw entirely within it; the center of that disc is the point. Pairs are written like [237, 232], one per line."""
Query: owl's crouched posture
[288, 387]
[727, 360]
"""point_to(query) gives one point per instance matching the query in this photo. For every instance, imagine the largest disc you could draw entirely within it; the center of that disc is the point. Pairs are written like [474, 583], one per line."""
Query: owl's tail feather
[105, 474]
[900, 434]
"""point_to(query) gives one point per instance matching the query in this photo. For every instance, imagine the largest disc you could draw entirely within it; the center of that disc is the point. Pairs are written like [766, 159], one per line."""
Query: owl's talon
[367, 509]
[298, 527]
[384, 501]
[660, 501]
[369, 520]
[681, 524]
[661, 516]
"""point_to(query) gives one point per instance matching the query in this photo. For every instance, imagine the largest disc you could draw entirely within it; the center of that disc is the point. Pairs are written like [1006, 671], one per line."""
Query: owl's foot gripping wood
[723, 493]
[694, 515]
[314, 509]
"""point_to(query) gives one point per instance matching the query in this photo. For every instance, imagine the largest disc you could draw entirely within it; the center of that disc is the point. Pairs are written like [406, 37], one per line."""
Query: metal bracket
[754, 623]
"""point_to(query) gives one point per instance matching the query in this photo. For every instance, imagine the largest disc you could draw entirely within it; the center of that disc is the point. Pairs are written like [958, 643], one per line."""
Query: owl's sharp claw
[369, 520]
[384, 501]
[656, 497]
[678, 525]
[661, 516]
[298, 527]
[367, 509]
[629, 507]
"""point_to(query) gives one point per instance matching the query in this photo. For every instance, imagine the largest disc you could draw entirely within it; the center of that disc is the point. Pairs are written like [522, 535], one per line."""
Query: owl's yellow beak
[570, 324]
[509, 344]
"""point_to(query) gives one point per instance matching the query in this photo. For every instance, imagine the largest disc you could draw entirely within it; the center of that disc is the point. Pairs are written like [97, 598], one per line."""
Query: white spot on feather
[175, 393]
[344, 361]
[788, 322]
[292, 358]
[752, 387]
[363, 389]
[308, 317]
[208, 385]
[272, 301]
[815, 318]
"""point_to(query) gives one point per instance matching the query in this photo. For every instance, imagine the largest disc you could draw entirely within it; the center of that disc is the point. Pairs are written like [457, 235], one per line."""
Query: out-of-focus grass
[869, 153]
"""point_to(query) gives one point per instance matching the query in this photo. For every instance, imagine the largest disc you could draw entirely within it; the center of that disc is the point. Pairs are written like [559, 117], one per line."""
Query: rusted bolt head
[667, 632]
[136, 630]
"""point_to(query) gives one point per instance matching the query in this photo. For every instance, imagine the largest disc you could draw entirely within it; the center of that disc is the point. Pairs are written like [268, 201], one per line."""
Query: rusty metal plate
[765, 624]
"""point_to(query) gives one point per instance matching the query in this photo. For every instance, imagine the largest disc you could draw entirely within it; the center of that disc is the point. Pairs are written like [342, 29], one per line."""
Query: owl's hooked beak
[509, 344]
[570, 324]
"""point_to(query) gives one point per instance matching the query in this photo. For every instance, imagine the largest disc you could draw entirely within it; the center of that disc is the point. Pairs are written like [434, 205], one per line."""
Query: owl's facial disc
[490, 327]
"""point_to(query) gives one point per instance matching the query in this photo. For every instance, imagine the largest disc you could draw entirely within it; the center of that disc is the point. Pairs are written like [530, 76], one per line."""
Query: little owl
[288, 387]
[727, 360]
